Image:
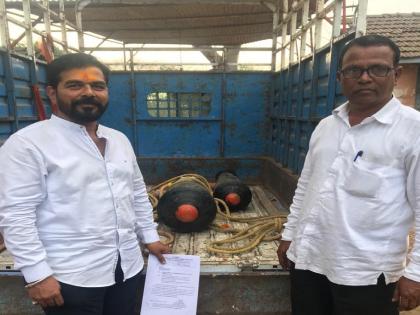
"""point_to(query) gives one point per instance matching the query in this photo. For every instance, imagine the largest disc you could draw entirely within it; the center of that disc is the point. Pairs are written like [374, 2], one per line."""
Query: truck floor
[264, 256]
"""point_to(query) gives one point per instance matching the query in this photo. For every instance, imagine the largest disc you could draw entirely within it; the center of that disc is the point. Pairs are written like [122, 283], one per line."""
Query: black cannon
[232, 190]
[187, 206]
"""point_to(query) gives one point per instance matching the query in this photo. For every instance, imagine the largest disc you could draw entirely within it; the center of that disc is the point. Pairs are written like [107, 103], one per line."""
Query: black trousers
[314, 294]
[122, 298]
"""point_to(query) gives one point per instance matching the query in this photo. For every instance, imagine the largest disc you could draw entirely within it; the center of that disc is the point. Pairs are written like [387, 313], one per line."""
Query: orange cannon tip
[186, 213]
[233, 199]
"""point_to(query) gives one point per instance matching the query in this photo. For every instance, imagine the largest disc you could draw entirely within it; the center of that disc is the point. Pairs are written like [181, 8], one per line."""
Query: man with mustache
[73, 203]
[345, 242]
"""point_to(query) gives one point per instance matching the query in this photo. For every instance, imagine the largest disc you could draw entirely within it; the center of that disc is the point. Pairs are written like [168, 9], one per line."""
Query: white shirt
[350, 218]
[68, 211]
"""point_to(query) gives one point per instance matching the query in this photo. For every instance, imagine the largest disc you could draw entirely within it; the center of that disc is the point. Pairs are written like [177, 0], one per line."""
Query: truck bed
[263, 257]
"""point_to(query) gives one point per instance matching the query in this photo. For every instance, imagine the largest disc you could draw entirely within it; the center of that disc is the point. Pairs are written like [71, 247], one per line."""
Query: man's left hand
[158, 249]
[407, 294]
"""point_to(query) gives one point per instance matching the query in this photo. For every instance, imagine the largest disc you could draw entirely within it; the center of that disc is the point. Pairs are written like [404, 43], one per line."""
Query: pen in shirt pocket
[359, 153]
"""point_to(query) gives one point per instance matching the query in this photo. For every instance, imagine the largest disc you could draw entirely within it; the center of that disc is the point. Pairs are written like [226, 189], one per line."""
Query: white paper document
[171, 288]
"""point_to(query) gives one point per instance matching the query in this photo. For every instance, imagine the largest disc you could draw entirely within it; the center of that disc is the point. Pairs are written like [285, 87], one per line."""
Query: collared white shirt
[350, 216]
[67, 210]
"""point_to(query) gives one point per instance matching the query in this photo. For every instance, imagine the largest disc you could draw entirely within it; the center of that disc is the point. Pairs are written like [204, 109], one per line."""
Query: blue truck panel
[18, 74]
[178, 139]
[119, 114]
[20, 68]
[236, 125]
[246, 104]
[302, 95]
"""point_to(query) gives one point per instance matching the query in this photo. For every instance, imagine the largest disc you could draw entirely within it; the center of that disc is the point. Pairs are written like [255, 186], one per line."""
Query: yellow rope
[157, 191]
[169, 237]
[229, 217]
[253, 235]
[153, 200]
[264, 228]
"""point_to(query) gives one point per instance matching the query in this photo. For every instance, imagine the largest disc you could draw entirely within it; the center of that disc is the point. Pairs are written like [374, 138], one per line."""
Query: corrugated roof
[210, 22]
[403, 29]
[195, 22]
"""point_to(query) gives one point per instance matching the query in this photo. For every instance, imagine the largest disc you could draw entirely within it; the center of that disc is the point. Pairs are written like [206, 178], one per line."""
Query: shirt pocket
[363, 179]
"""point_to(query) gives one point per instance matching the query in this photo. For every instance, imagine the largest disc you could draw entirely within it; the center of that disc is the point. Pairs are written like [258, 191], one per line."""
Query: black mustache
[87, 101]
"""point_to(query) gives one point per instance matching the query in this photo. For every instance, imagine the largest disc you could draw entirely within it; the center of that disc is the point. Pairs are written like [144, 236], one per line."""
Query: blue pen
[360, 153]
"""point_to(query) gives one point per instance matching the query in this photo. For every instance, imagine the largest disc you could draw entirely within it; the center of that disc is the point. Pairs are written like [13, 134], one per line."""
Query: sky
[393, 6]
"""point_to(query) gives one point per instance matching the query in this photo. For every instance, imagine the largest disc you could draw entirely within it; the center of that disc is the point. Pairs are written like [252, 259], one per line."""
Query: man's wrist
[40, 270]
[32, 284]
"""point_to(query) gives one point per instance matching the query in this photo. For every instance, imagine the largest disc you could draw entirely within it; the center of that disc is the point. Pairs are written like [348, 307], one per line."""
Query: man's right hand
[281, 254]
[46, 293]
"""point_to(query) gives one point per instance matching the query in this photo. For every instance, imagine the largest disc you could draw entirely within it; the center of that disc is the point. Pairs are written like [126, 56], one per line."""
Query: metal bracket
[247, 265]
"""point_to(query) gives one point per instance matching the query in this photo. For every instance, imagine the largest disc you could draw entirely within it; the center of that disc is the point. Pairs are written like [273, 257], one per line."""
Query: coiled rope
[169, 237]
[261, 228]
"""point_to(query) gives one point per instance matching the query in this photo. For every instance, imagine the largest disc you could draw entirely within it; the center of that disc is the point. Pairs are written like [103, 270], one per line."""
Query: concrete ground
[417, 310]
[413, 312]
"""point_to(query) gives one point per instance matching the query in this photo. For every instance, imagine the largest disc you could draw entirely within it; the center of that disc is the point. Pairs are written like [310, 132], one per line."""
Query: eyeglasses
[372, 71]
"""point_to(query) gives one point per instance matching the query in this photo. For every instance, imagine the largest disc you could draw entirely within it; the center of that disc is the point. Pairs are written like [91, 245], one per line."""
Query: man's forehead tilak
[87, 74]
